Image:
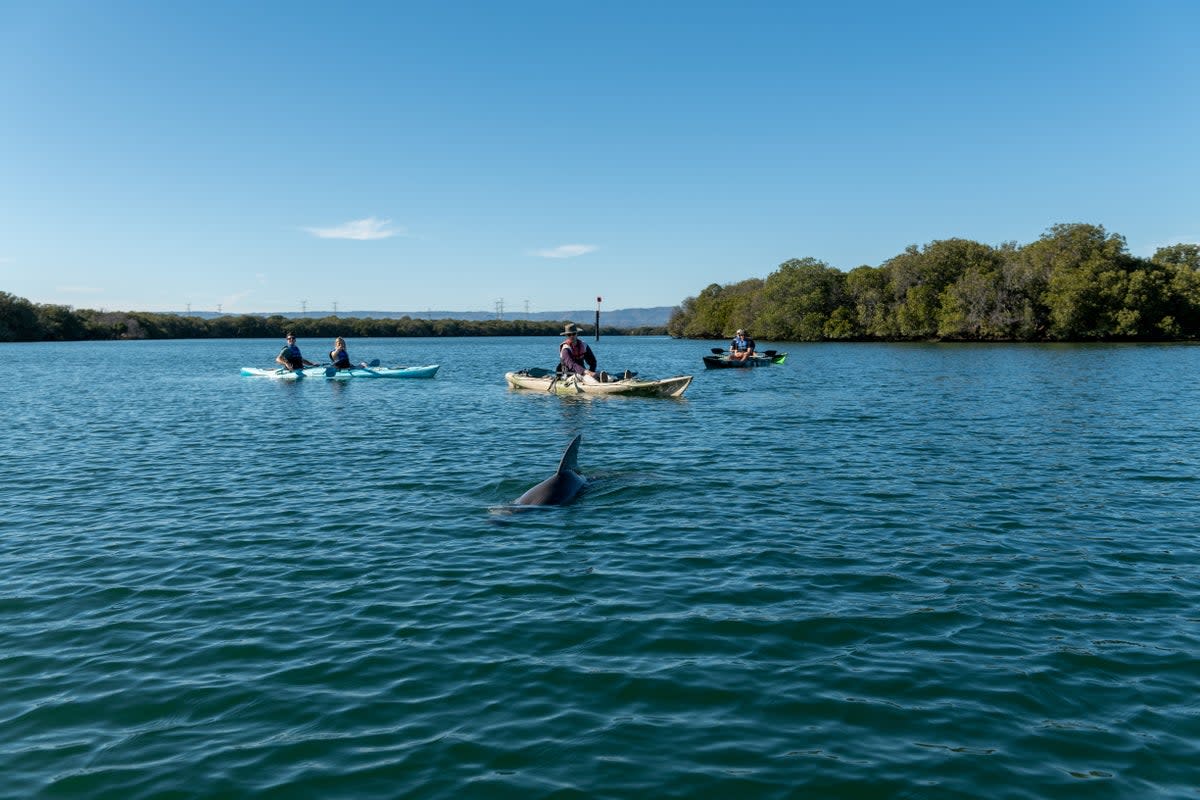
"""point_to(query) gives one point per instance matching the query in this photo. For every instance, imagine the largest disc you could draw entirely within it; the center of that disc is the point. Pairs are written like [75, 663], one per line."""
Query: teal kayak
[427, 371]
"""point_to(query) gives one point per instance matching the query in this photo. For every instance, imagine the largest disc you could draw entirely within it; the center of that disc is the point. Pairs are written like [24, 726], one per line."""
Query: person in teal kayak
[574, 355]
[742, 346]
[339, 356]
[290, 356]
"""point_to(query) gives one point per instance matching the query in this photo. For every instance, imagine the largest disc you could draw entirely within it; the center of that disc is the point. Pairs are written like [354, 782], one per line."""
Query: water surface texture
[873, 571]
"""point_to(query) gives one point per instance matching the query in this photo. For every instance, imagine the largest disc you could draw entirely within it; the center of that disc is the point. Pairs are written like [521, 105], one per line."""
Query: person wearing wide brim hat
[574, 355]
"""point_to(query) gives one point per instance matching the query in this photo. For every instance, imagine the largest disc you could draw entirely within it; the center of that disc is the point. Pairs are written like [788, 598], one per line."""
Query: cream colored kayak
[547, 381]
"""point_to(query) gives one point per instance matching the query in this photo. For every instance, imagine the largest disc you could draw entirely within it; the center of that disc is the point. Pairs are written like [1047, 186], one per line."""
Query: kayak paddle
[331, 370]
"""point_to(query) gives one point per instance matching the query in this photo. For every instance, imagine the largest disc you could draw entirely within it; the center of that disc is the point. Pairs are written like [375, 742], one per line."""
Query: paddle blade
[716, 351]
[330, 372]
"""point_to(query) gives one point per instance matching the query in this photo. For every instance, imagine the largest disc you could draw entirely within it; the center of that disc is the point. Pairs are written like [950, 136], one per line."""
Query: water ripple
[879, 571]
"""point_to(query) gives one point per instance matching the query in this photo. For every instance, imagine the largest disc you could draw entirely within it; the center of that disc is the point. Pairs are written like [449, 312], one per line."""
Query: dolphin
[562, 486]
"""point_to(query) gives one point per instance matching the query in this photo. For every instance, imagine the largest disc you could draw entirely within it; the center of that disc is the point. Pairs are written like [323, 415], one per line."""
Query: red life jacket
[576, 347]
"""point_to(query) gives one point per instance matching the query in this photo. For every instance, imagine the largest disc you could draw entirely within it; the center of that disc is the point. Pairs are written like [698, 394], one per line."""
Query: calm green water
[875, 571]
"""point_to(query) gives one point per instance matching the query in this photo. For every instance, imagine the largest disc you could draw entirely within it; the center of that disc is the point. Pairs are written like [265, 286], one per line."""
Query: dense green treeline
[1076, 283]
[23, 321]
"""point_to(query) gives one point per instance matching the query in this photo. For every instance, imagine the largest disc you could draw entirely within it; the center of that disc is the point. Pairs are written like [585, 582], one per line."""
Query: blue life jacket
[291, 354]
[739, 344]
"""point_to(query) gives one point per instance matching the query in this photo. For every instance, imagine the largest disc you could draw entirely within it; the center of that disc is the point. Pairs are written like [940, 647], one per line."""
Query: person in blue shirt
[290, 356]
[742, 346]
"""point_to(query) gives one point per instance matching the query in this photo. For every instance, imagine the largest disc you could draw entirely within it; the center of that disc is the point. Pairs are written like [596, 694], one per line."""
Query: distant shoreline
[23, 321]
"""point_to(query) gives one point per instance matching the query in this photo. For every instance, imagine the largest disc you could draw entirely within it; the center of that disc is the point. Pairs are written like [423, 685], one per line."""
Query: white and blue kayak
[427, 371]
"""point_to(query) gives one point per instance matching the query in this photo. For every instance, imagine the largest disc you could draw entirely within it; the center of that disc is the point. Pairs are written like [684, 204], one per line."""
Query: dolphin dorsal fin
[570, 454]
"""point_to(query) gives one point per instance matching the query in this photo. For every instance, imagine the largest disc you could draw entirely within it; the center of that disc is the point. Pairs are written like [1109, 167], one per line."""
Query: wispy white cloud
[359, 229]
[233, 299]
[566, 251]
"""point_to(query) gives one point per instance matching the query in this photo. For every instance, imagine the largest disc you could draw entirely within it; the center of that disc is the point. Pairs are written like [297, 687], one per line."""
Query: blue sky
[453, 155]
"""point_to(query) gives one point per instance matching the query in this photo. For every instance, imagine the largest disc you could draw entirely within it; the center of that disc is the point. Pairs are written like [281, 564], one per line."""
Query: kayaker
[742, 346]
[290, 356]
[339, 356]
[574, 355]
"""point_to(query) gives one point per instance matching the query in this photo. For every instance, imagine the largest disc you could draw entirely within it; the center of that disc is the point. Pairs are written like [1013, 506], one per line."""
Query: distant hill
[616, 318]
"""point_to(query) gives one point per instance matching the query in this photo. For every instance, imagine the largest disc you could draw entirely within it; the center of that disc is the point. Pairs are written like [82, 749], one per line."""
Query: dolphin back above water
[562, 486]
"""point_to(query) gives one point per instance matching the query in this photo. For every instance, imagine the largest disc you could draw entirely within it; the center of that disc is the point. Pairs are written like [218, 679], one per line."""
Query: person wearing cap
[290, 356]
[574, 355]
[742, 346]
